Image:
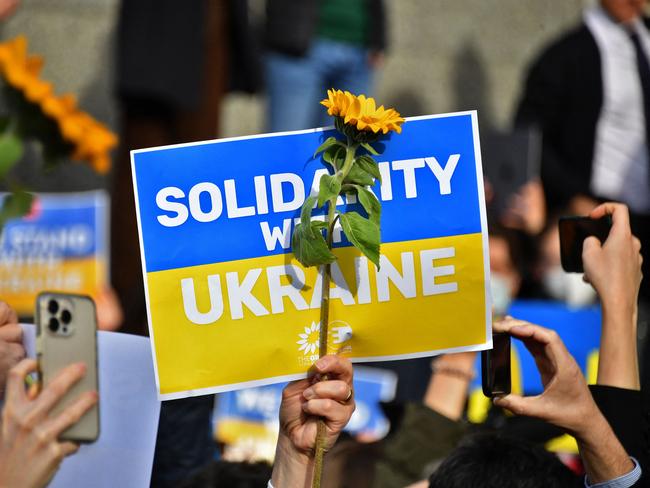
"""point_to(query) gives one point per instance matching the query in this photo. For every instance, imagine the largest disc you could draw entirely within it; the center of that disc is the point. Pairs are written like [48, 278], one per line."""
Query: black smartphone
[495, 366]
[573, 232]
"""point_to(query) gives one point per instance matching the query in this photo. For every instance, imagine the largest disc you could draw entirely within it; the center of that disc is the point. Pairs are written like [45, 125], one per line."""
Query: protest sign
[247, 420]
[230, 308]
[60, 245]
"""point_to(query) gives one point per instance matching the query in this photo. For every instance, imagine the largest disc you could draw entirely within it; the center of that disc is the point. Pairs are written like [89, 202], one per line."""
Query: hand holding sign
[303, 402]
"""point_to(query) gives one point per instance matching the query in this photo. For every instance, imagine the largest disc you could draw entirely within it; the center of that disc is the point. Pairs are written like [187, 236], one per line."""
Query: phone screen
[573, 232]
[495, 366]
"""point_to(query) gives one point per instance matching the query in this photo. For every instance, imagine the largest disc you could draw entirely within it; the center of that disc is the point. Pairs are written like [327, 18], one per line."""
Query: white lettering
[216, 204]
[162, 200]
[430, 272]
[443, 175]
[408, 166]
[404, 282]
[277, 236]
[292, 290]
[241, 294]
[189, 301]
[277, 194]
[234, 210]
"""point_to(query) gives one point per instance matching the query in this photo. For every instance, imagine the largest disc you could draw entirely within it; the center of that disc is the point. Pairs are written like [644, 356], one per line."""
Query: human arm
[614, 270]
[566, 402]
[29, 435]
[449, 384]
[304, 402]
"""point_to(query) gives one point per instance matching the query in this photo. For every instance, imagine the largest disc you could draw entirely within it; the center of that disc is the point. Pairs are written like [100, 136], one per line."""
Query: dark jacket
[563, 97]
[291, 25]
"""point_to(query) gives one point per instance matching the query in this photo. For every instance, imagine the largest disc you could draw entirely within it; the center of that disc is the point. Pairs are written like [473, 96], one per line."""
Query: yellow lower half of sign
[217, 326]
[21, 283]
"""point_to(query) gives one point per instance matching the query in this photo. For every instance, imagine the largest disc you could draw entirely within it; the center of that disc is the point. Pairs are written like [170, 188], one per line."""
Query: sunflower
[89, 139]
[361, 112]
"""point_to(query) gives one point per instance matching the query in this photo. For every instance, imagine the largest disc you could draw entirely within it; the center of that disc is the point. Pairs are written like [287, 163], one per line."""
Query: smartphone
[573, 232]
[66, 328]
[495, 366]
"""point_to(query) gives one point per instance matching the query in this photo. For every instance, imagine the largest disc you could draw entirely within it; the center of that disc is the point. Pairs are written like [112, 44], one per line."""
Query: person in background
[589, 95]
[313, 45]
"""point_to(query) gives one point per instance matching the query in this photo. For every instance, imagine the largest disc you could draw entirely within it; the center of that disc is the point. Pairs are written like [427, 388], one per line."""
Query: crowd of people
[588, 97]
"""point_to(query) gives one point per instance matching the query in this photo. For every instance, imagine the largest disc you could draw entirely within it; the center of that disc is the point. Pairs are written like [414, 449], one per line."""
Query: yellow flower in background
[90, 140]
[362, 113]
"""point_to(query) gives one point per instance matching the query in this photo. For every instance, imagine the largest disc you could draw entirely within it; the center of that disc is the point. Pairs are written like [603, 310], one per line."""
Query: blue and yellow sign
[60, 245]
[230, 308]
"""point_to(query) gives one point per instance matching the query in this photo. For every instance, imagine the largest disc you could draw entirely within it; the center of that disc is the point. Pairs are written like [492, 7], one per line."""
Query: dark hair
[493, 460]
[227, 474]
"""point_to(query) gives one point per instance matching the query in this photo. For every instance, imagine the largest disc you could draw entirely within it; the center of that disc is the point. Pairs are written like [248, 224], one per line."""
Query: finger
[333, 389]
[69, 448]
[335, 366]
[331, 410]
[618, 211]
[527, 406]
[504, 325]
[58, 387]
[591, 248]
[16, 352]
[16, 378]
[7, 314]
[71, 414]
[11, 333]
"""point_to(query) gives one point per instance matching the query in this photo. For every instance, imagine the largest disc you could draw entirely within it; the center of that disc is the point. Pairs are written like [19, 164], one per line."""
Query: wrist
[619, 311]
[291, 466]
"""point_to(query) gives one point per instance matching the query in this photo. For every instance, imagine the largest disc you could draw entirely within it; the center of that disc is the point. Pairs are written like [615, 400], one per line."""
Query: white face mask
[568, 287]
[501, 299]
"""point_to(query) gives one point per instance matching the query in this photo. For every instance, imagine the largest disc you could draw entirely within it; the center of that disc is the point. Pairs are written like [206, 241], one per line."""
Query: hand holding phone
[495, 366]
[573, 231]
[66, 334]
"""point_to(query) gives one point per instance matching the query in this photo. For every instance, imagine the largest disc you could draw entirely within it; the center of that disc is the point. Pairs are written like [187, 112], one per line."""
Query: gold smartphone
[67, 333]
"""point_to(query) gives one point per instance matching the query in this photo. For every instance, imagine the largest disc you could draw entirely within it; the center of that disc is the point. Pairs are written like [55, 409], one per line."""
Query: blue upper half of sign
[69, 225]
[404, 217]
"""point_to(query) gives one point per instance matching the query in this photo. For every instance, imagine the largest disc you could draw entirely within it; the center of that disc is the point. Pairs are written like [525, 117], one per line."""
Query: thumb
[519, 405]
[590, 248]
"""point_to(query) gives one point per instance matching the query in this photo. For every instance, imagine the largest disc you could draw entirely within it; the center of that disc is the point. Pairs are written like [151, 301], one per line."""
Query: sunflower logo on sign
[309, 339]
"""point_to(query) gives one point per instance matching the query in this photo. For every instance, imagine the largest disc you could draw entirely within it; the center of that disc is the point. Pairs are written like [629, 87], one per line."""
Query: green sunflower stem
[321, 431]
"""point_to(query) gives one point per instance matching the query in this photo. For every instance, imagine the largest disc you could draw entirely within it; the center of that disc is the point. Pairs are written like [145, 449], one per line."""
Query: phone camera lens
[54, 324]
[66, 317]
[53, 306]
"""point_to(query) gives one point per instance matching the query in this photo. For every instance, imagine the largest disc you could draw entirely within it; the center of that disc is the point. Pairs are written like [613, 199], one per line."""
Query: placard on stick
[230, 308]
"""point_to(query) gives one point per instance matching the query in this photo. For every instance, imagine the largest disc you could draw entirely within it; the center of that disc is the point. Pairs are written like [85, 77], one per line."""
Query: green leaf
[370, 203]
[369, 148]
[309, 245]
[358, 176]
[11, 150]
[334, 156]
[329, 142]
[305, 212]
[318, 225]
[15, 205]
[369, 165]
[363, 234]
[329, 187]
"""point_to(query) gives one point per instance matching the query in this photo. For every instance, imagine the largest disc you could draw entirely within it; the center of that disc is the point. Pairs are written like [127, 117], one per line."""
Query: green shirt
[344, 20]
